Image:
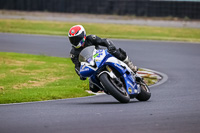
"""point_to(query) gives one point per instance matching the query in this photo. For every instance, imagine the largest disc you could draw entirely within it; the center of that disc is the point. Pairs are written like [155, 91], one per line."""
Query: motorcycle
[112, 76]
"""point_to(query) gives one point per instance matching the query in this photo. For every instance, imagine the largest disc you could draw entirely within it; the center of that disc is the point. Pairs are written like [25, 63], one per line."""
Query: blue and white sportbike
[112, 76]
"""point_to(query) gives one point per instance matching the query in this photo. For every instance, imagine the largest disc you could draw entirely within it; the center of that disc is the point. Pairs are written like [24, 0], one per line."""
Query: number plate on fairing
[100, 54]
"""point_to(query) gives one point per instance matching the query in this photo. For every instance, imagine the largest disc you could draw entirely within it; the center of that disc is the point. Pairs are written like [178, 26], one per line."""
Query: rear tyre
[145, 93]
[117, 92]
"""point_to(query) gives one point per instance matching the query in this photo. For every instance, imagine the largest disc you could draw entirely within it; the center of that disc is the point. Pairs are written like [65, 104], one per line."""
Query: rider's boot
[130, 64]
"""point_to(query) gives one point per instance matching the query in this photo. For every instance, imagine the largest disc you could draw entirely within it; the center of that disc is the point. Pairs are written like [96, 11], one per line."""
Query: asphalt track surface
[173, 108]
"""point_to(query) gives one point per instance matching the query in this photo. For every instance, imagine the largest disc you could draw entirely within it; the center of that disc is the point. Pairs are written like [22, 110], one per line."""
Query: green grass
[101, 30]
[25, 78]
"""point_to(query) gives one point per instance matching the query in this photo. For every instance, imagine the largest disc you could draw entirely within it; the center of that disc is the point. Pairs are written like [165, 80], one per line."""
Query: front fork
[113, 76]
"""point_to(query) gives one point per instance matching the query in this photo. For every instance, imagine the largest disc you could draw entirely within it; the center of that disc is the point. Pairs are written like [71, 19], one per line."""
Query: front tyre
[145, 93]
[118, 93]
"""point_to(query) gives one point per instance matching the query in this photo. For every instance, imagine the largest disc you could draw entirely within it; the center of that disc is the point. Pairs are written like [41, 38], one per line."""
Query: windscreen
[86, 54]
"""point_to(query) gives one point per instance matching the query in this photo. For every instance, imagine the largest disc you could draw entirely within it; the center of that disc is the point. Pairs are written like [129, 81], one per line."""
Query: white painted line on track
[35, 102]
[163, 80]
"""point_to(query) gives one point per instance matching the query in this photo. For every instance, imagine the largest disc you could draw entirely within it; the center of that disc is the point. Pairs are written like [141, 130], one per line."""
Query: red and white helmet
[77, 36]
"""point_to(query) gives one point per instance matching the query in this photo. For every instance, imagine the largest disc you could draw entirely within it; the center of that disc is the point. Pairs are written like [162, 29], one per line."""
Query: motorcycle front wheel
[117, 92]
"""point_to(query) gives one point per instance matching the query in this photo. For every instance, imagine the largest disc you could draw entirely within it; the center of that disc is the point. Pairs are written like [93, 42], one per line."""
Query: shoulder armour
[92, 37]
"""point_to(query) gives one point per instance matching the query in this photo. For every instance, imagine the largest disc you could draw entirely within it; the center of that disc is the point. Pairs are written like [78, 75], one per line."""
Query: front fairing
[86, 71]
[91, 59]
[102, 53]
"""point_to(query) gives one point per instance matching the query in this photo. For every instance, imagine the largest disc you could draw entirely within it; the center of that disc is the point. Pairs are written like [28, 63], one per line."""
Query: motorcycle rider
[79, 40]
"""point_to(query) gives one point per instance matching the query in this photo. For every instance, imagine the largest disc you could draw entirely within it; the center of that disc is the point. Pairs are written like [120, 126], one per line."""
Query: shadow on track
[106, 102]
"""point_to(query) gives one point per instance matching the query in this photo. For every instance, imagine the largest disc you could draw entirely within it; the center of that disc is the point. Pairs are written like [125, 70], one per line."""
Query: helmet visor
[75, 40]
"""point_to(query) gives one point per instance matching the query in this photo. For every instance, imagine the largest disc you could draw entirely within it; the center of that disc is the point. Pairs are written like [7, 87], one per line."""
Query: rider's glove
[111, 47]
[77, 71]
[82, 78]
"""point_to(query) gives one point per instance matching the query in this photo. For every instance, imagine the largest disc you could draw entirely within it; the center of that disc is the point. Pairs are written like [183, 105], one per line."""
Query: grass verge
[25, 78]
[101, 30]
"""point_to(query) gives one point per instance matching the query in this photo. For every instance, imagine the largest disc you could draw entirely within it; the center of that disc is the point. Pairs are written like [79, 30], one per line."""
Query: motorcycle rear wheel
[111, 88]
[145, 93]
